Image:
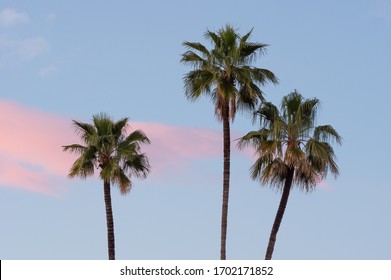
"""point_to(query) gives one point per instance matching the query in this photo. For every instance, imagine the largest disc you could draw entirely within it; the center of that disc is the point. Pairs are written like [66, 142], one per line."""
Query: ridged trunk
[280, 214]
[109, 220]
[226, 174]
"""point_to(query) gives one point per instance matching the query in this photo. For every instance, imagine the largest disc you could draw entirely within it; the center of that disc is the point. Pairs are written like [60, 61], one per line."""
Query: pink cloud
[16, 175]
[9, 17]
[172, 145]
[30, 148]
[31, 156]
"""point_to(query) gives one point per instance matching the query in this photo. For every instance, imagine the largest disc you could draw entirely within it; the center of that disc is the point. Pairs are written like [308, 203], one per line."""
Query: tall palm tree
[225, 74]
[117, 155]
[291, 150]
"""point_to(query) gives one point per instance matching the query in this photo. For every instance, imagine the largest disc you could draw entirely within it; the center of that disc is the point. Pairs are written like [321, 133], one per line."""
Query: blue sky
[63, 60]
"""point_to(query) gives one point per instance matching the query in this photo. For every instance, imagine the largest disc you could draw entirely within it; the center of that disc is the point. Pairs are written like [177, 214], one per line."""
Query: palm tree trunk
[280, 214]
[226, 174]
[110, 221]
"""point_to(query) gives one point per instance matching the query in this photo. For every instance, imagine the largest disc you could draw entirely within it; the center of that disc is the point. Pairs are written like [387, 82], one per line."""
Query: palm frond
[256, 168]
[249, 51]
[137, 136]
[213, 37]
[249, 96]
[274, 173]
[198, 47]
[193, 59]
[263, 76]
[119, 127]
[326, 133]
[137, 165]
[268, 111]
[198, 82]
[74, 148]
[85, 131]
[270, 146]
[103, 124]
[120, 179]
[321, 156]
[245, 37]
[293, 156]
[253, 138]
[84, 166]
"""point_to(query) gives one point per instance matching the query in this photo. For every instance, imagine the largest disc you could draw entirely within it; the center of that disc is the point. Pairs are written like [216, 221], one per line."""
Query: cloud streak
[17, 51]
[31, 157]
[48, 71]
[10, 17]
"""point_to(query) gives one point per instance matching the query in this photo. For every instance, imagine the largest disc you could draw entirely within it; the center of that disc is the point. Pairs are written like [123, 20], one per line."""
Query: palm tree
[225, 74]
[291, 150]
[117, 156]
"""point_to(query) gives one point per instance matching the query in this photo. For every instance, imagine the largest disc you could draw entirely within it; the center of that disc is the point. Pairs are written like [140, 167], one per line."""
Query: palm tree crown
[289, 140]
[225, 73]
[291, 150]
[106, 147]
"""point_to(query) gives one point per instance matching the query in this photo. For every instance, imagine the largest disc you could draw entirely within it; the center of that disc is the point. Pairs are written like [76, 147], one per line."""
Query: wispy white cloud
[48, 71]
[9, 17]
[32, 47]
[16, 51]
